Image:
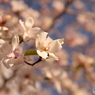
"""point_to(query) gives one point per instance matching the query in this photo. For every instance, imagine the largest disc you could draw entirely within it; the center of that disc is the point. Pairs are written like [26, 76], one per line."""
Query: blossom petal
[15, 42]
[22, 24]
[33, 32]
[41, 37]
[43, 54]
[61, 40]
[58, 86]
[7, 62]
[7, 73]
[52, 56]
[26, 37]
[55, 46]
[47, 41]
[29, 23]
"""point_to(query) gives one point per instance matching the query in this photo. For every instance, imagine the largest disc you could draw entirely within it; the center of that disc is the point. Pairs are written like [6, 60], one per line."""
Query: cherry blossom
[11, 53]
[46, 47]
[30, 32]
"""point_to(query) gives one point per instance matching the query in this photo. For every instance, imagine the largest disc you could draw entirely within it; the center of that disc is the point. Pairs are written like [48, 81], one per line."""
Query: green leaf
[30, 52]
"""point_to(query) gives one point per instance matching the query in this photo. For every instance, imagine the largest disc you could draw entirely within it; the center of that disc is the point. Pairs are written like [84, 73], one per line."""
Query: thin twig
[40, 59]
[68, 3]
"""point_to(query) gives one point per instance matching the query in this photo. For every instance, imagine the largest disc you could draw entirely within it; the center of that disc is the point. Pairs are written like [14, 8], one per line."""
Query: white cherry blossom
[30, 32]
[11, 53]
[46, 47]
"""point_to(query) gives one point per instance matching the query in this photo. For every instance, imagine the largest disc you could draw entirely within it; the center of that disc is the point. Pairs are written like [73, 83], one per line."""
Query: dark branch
[40, 59]
[68, 3]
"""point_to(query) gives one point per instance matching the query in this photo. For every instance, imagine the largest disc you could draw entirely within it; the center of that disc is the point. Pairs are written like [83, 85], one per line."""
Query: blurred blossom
[30, 12]
[47, 22]
[89, 25]
[63, 57]
[87, 22]
[15, 6]
[74, 38]
[57, 85]
[56, 4]
[4, 19]
[83, 60]
[52, 75]
[81, 19]
[4, 48]
[79, 5]
[13, 55]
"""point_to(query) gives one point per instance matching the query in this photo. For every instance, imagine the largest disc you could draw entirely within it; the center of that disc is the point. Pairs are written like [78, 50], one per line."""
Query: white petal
[11, 55]
[1, 42]
[15, 42]
[52, 56]
[7, 62]
[55, 46]
[41, 37]
[47, 41]
[61, 40]
[37, 42]
[26, 37]
[22, 24]
[43, 54]
[29, 23]
[57, 85]
[33, 32]
[5, 28]
[7, 73]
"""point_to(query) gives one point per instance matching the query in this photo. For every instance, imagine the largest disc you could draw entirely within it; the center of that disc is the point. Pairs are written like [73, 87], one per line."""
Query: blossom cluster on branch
[11, 52]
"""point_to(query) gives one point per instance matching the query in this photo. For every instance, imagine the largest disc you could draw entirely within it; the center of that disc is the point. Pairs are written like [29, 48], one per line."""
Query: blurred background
[74, 72]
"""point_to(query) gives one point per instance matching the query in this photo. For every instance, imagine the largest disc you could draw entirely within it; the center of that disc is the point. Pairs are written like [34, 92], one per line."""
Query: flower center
[45, 48]
[16, 53]
[13, 54]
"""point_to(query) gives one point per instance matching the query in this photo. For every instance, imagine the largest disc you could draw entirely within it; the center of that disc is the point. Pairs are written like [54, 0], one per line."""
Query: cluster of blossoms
[11, 53]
